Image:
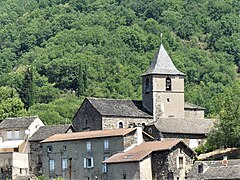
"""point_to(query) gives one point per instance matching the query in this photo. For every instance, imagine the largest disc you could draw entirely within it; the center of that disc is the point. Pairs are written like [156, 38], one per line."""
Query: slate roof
[141, 151]
[17, 122]
[184, 125]
[162, 64]
[214, 170]
[188, 105]
[47, 131]
[126, 108]
[119, 107]
[89, 135]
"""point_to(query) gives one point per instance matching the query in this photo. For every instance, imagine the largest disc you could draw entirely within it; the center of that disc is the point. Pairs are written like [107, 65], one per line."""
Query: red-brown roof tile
[141, 151]
[89, 135]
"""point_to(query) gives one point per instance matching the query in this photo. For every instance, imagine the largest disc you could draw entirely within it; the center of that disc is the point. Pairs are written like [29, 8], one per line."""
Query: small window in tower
[168, 84]
[147, 85]
[120, 125]
[168, 99]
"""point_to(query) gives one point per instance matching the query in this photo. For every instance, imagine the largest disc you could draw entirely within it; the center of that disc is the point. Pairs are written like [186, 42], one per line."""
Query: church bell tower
[163, 88]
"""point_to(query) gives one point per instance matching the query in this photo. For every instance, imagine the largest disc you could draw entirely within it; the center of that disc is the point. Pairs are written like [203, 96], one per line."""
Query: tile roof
[188, 105]
[89, 135]
[184, 125]
[119, 107]
[141, 151]
[216, 170]
[162, 64]
[17, 122]
[47, 131]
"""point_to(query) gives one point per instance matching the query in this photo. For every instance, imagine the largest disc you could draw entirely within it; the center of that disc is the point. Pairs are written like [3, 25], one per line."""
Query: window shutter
[92, 161]
[85, 163]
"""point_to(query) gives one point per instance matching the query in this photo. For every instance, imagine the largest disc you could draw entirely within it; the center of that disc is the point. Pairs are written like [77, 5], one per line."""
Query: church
[163, 112]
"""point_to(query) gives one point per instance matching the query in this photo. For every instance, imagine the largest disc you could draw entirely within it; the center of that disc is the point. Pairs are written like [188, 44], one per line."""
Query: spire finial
[161, 38]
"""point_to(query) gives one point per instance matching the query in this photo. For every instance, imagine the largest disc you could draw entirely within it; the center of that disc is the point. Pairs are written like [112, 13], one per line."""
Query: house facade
[15, 146]
[170, 160]
[35, 155]
[80, 155]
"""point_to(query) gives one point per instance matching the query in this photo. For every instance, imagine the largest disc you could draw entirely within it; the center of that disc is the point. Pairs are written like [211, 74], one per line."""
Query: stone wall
[35, 161]
[164, 163]
[87, 118]
[123, 171]
[198, 114]
[113, 122]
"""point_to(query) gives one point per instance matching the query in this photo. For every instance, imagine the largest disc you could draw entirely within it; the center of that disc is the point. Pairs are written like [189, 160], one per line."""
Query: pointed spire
[162, 64]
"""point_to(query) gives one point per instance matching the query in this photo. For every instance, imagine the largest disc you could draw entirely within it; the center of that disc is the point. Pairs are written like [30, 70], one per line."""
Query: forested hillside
[53, 53]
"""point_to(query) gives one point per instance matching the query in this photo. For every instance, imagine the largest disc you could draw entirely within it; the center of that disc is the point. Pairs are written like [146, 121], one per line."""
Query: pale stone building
[163, 106]
[80, 155]
[159, 160]
[15, 146]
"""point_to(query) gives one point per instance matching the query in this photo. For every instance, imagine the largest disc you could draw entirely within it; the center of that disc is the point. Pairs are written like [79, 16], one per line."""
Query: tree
[10, 103]
[227, 131]
[28, 88]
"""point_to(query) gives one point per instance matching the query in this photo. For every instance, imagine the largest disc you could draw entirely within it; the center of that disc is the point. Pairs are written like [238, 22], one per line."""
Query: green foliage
[100, 48]
[10, 103]
[227, 132]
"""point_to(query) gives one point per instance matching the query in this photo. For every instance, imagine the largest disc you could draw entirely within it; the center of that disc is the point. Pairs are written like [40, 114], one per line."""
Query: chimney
[139, 135]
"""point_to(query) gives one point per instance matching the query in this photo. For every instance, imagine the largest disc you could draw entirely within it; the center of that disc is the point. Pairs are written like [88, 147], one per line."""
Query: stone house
[80, 155]
[162, 160]
[162, 105]
[213, 170]
[35, 156]
[15, 146]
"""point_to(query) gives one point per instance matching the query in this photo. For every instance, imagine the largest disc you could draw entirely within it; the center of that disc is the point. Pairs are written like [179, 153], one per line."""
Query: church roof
[184, 125]
[188, 105]
[119, 107]
[162, 64]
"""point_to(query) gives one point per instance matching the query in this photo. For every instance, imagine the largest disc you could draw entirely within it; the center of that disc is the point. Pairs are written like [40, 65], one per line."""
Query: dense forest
[53, 53]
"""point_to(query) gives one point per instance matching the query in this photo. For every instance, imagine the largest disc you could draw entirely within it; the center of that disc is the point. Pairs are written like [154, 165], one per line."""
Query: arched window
[147, 85]
[168, 84]
[200, 168]
[120, 125]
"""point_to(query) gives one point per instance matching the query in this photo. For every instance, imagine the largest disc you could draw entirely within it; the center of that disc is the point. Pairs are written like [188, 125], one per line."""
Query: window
[170, 175]
[168, 84]
[9, 135]
[16, 134]
[106, 145]
[51, 165]
[147, 85]
[150, 130]
[105, 165]
[124, 176]
[49, 149]
[120, 125]
[180, 162]
[64, 164]
[168, 99]
[88, 162]
[200, 168]
[64, 148]
[88, 146]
